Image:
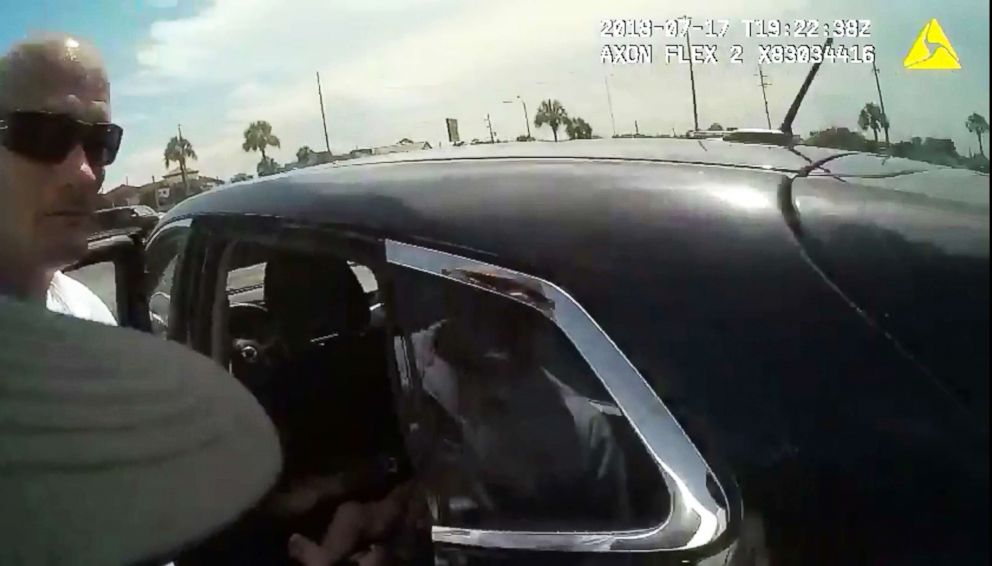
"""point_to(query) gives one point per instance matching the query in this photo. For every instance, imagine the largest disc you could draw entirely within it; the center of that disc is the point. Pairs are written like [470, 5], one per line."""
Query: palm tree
[578, 129]
[978, 125]
[303, 154]
[259, 136]
[178, 150]
[552, 113]
[871, 118]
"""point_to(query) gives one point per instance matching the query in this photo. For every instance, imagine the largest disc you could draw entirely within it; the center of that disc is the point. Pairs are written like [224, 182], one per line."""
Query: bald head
[46, 207]
[55, 73]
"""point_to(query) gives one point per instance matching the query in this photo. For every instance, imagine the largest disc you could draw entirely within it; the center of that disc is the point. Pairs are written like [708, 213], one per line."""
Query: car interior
[304, 330]
[307, 339]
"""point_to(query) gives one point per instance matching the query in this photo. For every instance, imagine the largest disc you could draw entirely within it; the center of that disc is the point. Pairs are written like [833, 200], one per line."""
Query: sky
[397, 68]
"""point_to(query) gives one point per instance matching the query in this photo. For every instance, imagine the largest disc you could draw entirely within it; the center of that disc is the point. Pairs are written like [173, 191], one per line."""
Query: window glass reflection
[522, 436]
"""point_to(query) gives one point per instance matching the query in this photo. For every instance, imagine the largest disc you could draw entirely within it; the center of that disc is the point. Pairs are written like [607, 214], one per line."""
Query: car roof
[262, 196]
[531, 185]
[675, 150]
[506, 176]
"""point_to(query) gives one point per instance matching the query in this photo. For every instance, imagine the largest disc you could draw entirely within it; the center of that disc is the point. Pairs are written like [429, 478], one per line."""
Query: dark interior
[310, 352]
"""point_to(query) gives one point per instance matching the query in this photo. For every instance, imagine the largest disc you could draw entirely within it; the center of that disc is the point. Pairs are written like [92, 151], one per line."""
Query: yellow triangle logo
[931, 50]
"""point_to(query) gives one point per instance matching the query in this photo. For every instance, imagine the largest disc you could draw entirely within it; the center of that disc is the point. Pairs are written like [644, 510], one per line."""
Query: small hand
[354, 526]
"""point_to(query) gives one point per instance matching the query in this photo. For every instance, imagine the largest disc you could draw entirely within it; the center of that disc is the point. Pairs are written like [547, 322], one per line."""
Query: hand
[304, 495]
[355, 530]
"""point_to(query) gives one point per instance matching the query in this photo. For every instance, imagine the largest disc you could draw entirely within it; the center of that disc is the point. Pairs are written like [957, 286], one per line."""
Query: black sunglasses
[48, 137]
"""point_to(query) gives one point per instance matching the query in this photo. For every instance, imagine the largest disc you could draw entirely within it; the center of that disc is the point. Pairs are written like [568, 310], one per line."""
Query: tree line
[258, 136]
[939, 151]
[551, 113]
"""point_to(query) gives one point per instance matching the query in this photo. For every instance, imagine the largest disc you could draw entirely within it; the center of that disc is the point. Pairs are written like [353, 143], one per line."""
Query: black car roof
[708, 151]
[391, 192]
[268, 195]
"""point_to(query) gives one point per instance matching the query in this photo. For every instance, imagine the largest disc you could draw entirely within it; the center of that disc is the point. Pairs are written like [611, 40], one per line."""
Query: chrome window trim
[163, 232]
[165, 229]
[696, 518]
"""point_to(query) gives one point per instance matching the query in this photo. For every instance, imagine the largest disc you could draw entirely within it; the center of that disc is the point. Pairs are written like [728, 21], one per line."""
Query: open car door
[114, 269]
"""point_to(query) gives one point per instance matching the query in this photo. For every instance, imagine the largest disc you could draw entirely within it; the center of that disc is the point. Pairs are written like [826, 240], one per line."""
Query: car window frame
[698, 516]
[216, 237]
[124, 251]
[181, 231]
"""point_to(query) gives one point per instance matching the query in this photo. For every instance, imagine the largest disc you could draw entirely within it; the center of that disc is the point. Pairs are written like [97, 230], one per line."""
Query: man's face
[46, 210]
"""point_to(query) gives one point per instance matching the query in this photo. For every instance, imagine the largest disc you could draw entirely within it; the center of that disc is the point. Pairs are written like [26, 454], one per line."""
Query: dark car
[612, 352]
[126, 217]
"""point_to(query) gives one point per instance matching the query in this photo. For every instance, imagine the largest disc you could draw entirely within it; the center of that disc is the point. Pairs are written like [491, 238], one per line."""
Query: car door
[534, 437]
[113, 269]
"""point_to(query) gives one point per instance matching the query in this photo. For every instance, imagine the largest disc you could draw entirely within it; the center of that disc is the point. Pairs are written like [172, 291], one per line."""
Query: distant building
[321, 157]
[403, 145]
[163, 194]
[174, 178]
[122, 195]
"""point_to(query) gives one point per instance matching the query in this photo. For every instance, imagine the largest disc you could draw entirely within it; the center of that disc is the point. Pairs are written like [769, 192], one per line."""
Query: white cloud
[393, 69]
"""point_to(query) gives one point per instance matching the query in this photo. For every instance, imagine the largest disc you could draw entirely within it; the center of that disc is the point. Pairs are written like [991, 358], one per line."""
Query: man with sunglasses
[55, 141]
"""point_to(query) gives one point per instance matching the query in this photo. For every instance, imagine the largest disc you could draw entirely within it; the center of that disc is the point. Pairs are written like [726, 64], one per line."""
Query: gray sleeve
[606, 471]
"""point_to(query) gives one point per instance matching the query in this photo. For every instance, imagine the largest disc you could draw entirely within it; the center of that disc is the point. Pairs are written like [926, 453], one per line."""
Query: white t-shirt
[70, 297]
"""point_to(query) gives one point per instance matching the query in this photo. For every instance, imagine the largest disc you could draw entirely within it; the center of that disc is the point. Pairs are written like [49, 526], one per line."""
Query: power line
[692, 76]
[489, 124]
[182, 158]
[764, 95]
[885, 117]
[609, 101]
[323, 117]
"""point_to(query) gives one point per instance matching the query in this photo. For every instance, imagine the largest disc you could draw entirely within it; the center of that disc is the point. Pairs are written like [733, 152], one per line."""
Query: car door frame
[212, 234]
[125, 250]
[701, 516]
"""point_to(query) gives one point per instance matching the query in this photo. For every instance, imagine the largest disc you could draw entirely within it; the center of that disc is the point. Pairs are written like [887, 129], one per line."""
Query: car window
[161, 299]
[518, 432]
[299, 330]
[244, 279]
[162, 263]
[249, 281]
[101, 278]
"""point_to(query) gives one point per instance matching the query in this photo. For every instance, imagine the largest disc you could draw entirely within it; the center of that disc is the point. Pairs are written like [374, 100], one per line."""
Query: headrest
[311, 295]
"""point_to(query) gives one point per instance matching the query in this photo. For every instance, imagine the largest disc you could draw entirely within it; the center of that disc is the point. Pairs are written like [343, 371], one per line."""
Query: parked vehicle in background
[124, 217]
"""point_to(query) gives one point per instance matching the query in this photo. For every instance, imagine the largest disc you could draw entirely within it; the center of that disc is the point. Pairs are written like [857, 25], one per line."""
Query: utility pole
[764, 95]
[885, 117]
[323, 117]
[489, 124]
[182, 159]
[637, 131]
[692, 76]
[609, 101]
[526, 117]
